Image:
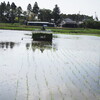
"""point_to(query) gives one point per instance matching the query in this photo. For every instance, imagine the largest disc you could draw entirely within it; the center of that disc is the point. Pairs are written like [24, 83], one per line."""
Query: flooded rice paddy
[68, 68]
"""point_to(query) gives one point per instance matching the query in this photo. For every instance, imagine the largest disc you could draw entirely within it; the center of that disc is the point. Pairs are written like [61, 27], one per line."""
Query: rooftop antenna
[79, 12]
[96, 17]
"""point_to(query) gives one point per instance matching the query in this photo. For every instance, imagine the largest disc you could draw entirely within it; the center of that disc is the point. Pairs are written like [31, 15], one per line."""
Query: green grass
[56, 30]
[74, 30]
[17, 28]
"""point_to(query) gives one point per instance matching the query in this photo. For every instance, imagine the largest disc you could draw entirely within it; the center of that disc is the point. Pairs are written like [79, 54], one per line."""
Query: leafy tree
[63, 16]
[78, 17]
[56, 13]
[45, 15]
[91, 24]
[25, 17]
[25, 14]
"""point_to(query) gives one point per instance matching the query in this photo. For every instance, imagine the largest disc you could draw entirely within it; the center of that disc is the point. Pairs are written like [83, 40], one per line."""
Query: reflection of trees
[12, 44]
[7, 45]
[27, 46]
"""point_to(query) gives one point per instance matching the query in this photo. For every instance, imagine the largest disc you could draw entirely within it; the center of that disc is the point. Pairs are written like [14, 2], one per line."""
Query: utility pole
[78, 19]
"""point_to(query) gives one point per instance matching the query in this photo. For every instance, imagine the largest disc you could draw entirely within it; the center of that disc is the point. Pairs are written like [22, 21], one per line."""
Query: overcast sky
[87, 7]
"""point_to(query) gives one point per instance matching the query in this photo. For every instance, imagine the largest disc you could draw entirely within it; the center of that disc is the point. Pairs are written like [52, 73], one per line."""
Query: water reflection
[7, 45]
[41, 45]
[27, 46]
[64, 69]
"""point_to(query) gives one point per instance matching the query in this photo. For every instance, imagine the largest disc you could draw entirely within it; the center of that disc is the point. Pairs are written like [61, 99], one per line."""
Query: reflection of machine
[42, 45]
[42, 39]
[39, 35]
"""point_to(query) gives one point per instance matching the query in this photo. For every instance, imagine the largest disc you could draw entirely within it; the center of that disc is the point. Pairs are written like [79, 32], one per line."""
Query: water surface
[68, 68]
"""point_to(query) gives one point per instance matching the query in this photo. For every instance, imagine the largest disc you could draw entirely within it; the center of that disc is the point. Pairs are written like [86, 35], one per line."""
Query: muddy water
[68, 68]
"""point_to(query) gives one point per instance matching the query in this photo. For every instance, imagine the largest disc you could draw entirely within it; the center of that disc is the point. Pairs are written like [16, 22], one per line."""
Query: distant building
[36, 23]
[67, 22]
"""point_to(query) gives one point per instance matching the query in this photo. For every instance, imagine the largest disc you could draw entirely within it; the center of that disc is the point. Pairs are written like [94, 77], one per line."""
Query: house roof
[68, 21]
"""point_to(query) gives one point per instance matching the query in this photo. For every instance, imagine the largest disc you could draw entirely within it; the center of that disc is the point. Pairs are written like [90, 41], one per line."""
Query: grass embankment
[77, 31]
[74, 31]
[16, 26]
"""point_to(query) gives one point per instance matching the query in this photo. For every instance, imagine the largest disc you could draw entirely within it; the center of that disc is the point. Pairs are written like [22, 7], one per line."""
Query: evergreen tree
[8, 7]
[2, 11]
[19, 12]
[13, 12]
[35, 8]
[13, 6]
[56, 13]
[29, 9]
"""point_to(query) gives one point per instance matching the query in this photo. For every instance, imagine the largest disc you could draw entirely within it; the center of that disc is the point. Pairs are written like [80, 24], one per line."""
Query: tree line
[11, 13]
